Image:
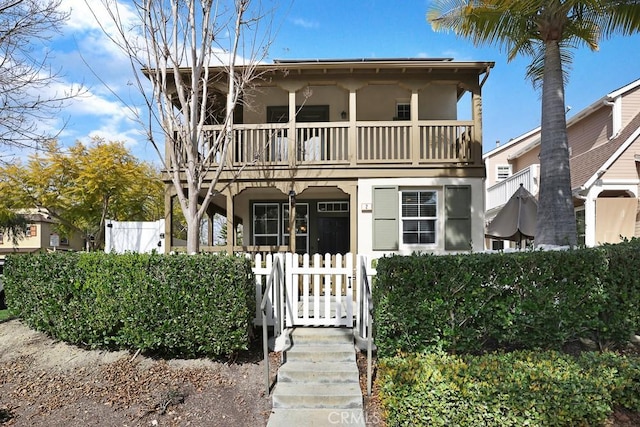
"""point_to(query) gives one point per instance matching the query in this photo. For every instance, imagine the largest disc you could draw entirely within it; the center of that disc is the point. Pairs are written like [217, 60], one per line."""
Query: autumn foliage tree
[83, 185]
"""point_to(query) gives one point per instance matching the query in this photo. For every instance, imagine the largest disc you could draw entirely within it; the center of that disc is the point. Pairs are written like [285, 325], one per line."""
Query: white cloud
[304, 23]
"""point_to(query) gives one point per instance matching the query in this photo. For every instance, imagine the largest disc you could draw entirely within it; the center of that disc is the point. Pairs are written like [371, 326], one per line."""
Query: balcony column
[476, 135]
[230, 216]
[291, 141]
[292, 87]
[414, 140]
[352, 134]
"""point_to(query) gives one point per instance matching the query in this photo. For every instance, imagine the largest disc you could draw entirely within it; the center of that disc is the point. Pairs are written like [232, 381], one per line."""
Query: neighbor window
[419, 211]
[266, 222]
[31, 231]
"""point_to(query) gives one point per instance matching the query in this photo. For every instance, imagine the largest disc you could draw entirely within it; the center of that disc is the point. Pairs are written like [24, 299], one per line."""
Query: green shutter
[457, 229]
[385, 218]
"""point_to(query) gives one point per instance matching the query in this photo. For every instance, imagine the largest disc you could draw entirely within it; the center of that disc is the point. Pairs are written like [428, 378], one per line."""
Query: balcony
[498, 194]
[361, 144]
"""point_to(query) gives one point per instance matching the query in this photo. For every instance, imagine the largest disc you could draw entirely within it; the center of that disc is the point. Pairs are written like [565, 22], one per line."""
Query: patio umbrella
[516, 220]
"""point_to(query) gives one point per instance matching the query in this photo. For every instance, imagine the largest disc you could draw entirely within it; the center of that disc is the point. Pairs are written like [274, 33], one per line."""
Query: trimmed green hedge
[523, 388]
[525, 300]
[175, 305]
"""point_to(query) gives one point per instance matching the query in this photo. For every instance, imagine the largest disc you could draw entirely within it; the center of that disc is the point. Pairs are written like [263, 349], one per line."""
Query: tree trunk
[556, 224]
[193, 221]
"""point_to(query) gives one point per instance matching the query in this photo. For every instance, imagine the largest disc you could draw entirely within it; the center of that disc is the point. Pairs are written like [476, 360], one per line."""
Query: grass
[4, 315]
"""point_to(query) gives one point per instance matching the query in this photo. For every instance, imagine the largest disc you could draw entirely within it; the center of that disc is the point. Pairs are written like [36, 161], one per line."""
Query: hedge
[525, 300]
[522, 388]
[175, 305]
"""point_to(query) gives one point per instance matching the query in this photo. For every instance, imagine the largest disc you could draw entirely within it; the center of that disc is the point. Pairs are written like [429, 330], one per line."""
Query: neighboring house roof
[588, 166]
[612, 96]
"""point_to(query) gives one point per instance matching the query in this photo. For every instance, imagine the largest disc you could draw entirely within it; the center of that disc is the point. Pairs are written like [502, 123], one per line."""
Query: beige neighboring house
[40, 236]
[378, 156]
[604, 145]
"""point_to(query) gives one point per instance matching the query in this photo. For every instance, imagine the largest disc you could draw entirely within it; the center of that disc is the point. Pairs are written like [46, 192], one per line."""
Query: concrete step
[317, 395]
[316, 418]
[322, 335]
[318, 372]
[321, 353]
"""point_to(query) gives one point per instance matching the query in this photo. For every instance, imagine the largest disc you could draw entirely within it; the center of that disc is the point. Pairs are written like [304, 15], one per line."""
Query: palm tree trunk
[556, 224]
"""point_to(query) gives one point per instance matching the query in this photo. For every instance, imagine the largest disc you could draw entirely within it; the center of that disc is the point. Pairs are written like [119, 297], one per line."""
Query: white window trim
[439, 227]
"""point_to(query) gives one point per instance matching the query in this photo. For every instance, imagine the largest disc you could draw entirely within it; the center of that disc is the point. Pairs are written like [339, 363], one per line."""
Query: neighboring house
[40, 236]
[376, 156]
[604, 149]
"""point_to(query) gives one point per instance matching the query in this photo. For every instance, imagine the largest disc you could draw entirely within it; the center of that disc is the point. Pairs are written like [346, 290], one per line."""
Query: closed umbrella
[516, 220]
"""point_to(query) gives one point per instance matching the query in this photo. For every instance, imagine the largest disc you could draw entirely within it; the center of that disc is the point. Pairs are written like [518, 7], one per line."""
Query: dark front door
[333, 235]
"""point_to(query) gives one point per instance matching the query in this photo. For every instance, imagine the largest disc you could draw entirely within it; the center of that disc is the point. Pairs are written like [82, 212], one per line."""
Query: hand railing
[275, 281]
[365, 314]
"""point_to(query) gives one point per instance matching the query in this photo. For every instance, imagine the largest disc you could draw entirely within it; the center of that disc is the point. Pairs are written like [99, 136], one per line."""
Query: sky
[329, 29]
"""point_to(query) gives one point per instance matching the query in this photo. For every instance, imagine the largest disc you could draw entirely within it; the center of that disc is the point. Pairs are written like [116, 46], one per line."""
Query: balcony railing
[498, 194]
[366, 143]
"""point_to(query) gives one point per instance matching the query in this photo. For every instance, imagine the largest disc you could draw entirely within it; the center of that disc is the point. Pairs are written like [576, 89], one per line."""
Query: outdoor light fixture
[292, 199]
[343, 115]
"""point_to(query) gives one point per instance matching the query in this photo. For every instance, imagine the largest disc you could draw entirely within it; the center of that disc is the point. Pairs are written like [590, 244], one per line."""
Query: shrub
[525, 300]
[514, 389]
[178, 305]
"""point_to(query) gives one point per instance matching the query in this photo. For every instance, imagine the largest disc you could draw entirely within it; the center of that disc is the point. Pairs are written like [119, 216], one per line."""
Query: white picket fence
[315, 290]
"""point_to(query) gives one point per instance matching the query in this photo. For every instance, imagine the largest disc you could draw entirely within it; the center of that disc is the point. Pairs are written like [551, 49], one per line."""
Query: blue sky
[311, 29]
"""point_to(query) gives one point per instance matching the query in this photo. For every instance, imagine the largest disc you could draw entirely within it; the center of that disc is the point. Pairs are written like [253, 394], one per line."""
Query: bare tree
[175, 43]
[26, 78]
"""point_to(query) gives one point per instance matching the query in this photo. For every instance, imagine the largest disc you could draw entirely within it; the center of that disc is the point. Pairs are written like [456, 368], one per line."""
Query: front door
[333, 235]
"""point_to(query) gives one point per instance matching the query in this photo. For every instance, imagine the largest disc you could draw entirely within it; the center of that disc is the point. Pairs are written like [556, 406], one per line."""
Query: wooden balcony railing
[368, 143]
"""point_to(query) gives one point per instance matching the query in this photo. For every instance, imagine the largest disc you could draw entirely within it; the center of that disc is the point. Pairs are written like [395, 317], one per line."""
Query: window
[403, 111]
[333, 206]
[419, 211]
[266, 221]
[31, 231]
[503, 172]
[302, 226]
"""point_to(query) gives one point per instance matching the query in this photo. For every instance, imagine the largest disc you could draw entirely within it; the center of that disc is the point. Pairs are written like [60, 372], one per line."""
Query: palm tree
[545, 30]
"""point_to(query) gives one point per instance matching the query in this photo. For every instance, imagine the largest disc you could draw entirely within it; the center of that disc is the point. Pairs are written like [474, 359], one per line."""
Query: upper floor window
[503, 172]
[419, 215]
[403, 111]
[31, 231]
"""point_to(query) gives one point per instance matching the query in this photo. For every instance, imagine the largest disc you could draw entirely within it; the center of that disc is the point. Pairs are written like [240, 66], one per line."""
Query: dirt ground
[48, 383]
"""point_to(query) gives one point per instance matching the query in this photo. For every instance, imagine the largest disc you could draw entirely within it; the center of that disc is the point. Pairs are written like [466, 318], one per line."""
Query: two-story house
[374, 156]
[604, 149]
[40, 235]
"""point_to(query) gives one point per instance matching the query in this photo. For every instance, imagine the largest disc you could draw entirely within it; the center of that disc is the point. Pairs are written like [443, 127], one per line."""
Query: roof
[374, 64]
[570, 121]
[588, 166]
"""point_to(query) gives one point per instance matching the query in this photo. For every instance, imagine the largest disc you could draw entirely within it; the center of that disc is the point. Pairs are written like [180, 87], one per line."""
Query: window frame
[300, 221]
[254, 220]
[438, 219]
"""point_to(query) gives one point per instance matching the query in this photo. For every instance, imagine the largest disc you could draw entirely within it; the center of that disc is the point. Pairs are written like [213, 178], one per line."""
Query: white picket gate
[315, 290]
